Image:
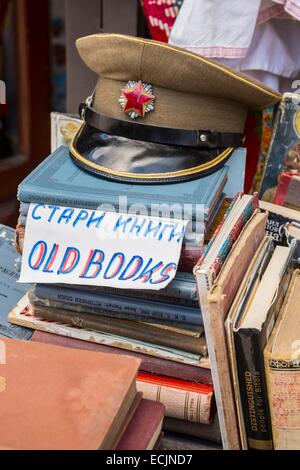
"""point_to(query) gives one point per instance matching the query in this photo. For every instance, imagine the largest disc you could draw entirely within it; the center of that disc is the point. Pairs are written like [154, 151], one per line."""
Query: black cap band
[159, 135]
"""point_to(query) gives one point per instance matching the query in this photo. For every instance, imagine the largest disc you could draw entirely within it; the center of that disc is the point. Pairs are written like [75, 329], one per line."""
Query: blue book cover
[118, 306]
[57, 180]
[10, 291]
[181, 291]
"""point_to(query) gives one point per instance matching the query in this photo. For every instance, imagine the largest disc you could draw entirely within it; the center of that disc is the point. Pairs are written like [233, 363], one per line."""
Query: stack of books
[142, 427]
[55, 398]
[165, 328]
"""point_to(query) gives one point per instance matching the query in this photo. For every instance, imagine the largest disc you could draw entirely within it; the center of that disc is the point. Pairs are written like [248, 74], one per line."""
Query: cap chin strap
[160, 135]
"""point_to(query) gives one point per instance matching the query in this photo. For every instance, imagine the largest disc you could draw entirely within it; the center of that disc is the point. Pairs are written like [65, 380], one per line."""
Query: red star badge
[137, 100]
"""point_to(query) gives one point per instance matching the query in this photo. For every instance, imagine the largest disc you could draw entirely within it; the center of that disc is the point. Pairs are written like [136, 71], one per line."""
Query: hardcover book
[215, 304]
[140, 331]
[143, 431]
[183, 400]
[284, 151]
[239, 305]
[117, 306]
[55, 398]
[279, 218]
[282, 366]
[68, 185]
[251, 333]
[150, 364]
[22, 314]
[181, 291]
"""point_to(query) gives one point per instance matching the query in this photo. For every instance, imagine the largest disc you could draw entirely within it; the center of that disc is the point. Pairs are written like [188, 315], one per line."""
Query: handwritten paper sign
[84, 247]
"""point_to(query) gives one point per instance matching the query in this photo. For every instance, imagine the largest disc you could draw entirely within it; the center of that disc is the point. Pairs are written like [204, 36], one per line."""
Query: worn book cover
[183, 400]
[144, 429]
[282, 366]
[251, 334]
[118, 306]
[215, 305]
[55, 398]
[151, 364]
[141, 331]
[22, 314]
[284, 151]
[10, 291]
[68, 185]
[239, 305]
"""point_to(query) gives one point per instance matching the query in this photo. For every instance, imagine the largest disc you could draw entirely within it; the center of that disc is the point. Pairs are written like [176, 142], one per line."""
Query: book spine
[121, 328]
[178, 293]
[127, 308]
[253, 389]
[180, 404]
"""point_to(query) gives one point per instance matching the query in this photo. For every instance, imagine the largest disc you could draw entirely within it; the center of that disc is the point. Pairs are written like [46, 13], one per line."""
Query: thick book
[151, 334]
[150, 364]
[282, 368]
[118, 306]
[22, 314]
[182, 400]
[181, 291]
[251, 334]
[10, 290]
[144, 429]
[215, 305]
[284, 149]
[55, 398]
[254, 273]
[57, 180]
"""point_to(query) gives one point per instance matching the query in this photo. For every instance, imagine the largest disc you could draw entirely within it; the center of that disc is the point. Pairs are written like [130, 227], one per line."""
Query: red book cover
[144, 429]
[183, 400]
[151, 364]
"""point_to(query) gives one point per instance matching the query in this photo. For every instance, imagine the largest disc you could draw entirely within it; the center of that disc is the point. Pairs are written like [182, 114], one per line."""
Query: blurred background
[43, 73]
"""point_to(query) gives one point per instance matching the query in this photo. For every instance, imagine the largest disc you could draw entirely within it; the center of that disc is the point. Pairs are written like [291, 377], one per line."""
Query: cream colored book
[282, 368]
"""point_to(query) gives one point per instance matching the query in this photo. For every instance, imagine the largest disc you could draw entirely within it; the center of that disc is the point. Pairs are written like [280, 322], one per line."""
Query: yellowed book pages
[215, 307]
[230, 344]
[282, 366]
[22, 314]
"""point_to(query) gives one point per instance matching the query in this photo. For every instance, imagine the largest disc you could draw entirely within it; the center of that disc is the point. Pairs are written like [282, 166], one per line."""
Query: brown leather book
[151, 364]
[144, 429]
[55, 398]
[127, 328]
